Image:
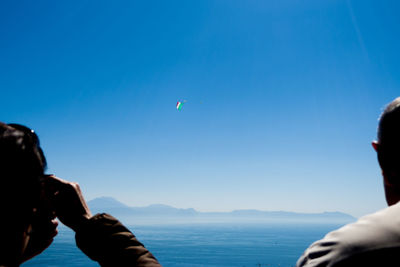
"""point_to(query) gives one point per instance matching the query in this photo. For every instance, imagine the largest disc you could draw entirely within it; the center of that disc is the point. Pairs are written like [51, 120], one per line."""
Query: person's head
[388, 149]
[22, 166]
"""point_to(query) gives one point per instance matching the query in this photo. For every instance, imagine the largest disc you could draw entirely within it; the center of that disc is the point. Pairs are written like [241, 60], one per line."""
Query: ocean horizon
[210, 245]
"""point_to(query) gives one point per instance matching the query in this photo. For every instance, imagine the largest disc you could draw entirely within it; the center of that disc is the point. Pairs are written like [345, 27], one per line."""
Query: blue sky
[282, 98]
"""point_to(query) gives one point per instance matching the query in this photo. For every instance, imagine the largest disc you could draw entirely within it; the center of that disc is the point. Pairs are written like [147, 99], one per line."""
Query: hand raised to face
[67, 201]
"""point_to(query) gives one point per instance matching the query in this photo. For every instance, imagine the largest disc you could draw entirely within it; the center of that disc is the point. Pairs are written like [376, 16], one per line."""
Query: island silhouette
[164, 214]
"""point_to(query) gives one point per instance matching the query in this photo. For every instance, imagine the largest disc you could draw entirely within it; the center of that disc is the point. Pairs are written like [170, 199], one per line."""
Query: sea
[208, 245]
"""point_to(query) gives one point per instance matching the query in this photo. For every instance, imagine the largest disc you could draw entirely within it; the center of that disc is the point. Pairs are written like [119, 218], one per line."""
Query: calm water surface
[212, 245]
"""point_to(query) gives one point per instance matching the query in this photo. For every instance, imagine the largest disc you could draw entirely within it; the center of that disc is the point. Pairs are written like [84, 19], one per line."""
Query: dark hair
[22, 164]
[389, 137]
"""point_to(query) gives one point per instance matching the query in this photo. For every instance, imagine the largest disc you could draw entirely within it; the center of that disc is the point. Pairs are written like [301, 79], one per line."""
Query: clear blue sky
[282, 98]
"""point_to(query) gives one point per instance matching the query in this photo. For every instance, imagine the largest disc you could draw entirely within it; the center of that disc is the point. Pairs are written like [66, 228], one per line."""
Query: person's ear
[375, 145]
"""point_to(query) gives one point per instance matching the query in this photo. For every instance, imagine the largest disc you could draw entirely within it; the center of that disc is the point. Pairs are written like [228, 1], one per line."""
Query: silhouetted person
[374, 240]
[30, 201]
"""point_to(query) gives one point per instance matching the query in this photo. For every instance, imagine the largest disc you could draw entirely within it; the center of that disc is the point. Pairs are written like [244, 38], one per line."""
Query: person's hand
[42, 232]
[67, 201]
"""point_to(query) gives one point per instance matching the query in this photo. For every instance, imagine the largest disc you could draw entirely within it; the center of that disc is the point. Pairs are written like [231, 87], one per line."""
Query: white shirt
[374, 240]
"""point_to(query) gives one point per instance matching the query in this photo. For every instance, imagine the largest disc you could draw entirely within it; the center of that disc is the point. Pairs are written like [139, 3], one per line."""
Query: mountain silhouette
[164, 214]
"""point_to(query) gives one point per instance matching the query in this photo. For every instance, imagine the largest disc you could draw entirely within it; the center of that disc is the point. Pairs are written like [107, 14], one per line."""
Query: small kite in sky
[179, 104]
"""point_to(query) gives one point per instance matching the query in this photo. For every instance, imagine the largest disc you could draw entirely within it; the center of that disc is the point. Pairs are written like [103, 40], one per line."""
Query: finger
[53, 185]
[54, 227]
[54, 223]
[53, 180]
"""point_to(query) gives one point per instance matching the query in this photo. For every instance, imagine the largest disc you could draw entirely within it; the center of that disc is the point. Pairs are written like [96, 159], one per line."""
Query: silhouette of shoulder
[374, 240]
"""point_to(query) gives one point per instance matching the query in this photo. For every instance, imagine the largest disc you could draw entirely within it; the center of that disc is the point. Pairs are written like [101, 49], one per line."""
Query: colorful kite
[179, 105]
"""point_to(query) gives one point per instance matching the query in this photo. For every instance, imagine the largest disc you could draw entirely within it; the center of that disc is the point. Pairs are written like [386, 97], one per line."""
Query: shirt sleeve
[104, 239]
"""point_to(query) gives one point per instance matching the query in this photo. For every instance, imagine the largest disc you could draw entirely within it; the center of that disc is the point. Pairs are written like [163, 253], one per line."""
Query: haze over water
[210, 245]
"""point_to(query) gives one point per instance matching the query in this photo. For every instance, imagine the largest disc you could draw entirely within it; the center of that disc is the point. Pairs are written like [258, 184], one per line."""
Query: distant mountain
[164, 214]
[106, 203]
